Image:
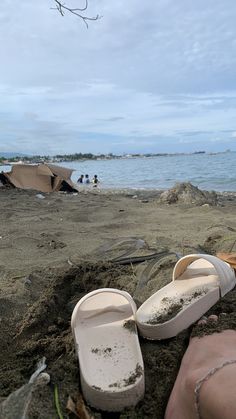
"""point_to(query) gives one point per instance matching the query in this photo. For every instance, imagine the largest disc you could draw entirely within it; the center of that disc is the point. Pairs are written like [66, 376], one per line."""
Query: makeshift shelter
[41, 177]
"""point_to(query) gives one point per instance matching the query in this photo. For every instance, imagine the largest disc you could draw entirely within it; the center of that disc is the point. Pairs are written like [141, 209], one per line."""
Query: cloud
[113, 119]
[145, 74]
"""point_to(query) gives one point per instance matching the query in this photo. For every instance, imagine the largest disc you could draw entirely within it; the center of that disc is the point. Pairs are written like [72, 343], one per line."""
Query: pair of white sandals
[105, 321]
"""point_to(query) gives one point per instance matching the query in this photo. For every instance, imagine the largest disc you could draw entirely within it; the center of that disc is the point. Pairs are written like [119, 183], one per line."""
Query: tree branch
[62, 9]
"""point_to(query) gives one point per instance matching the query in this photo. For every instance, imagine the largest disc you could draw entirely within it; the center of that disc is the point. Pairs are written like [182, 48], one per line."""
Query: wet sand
[55, 250]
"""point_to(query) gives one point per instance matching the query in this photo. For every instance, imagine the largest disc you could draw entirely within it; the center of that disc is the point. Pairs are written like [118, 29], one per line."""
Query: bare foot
[215, 398]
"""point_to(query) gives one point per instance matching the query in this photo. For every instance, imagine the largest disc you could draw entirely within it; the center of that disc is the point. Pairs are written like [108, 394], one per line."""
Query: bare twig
[63, 8]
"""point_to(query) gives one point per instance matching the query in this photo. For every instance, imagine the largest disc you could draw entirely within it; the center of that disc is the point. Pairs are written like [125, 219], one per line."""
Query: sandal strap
[226, 275]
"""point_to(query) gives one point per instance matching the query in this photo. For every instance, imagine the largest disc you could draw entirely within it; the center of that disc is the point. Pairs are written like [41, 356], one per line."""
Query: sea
[206, 171]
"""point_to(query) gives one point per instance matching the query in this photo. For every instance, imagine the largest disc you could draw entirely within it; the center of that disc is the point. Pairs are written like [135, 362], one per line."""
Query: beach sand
[55, 250]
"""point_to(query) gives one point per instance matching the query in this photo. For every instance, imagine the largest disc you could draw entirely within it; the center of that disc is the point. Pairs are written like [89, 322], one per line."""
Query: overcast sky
[149, 76]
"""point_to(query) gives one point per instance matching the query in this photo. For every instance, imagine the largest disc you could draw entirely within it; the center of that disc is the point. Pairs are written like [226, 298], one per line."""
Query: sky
[148, 77]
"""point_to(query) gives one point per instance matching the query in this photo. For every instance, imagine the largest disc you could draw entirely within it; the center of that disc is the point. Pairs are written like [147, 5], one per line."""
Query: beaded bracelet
[205, 378]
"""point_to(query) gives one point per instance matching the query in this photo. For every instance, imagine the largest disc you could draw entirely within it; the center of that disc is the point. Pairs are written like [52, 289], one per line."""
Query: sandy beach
[56, 249]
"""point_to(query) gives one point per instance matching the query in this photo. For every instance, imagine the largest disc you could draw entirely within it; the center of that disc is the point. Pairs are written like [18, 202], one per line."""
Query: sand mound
[188, 194]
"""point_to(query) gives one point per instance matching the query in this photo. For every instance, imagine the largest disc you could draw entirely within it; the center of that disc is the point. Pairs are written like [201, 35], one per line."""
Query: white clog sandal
[106, 341]
[199, 281]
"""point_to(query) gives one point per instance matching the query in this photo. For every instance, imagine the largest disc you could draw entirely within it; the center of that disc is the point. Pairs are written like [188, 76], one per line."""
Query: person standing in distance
[81, 179]
[95, 181]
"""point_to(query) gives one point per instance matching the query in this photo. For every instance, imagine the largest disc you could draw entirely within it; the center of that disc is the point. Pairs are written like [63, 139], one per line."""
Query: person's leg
[206, 382]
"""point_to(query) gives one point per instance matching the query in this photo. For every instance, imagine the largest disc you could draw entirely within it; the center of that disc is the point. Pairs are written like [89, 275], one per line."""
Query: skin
[217, 395]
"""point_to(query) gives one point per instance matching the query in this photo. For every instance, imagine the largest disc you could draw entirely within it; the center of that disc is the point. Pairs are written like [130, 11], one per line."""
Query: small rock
[43, 378]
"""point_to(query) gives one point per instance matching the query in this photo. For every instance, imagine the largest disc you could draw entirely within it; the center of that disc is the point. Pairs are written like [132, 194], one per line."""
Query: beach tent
[41, 177]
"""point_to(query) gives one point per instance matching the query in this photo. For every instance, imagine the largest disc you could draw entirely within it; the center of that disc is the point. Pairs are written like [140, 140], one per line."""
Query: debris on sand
[42, 177]
[16, 404]
[188, 194]
[78, 408]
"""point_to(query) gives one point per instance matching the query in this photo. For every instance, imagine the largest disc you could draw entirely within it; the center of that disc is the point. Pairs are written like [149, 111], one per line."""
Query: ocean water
[207, 171]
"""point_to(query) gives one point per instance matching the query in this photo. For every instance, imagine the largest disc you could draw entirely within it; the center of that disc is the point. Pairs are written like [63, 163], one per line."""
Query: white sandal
[106, 341]
[199, 281]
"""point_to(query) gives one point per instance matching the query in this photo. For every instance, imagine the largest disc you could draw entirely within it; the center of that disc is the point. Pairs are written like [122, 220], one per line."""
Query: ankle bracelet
[205, 378]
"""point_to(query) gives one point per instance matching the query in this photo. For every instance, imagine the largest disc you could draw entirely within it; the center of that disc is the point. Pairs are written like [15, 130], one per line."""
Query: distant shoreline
[5, 160]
